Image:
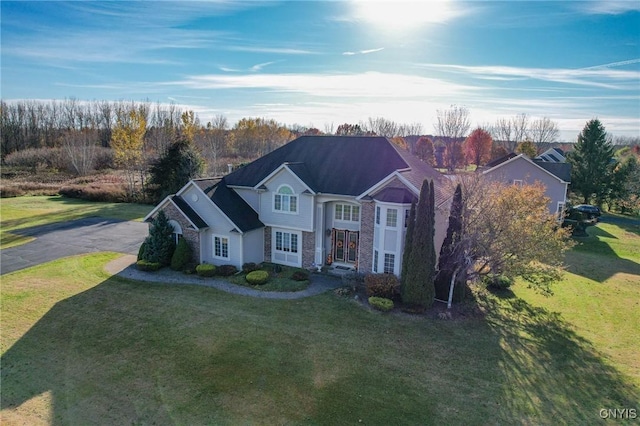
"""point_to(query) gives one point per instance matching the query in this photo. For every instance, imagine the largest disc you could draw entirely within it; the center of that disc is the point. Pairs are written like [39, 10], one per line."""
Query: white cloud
[609, 7]
[363, 52]
[258, 67]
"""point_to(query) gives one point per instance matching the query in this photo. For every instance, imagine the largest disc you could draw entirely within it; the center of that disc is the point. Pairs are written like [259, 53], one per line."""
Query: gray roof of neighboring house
[341, 165]
[560, 170]
[231, 204]
[189, 212]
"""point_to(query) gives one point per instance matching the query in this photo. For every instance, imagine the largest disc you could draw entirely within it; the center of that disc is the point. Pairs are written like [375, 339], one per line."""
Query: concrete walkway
[125, 267]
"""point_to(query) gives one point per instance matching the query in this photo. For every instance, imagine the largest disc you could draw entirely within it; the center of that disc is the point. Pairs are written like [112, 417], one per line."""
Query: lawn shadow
[595, 259]
[549, 371]
[76, 355]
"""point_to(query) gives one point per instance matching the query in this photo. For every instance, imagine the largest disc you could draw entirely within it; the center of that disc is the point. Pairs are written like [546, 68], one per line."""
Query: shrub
[300, 276]
[250, 267]
[11, 191]
[226, 270]
[382, 285]
[381, 303]
[497, 281]
[102, 192]
[147, 266]
[160, 242]
[142, 250]
[206, 270]
[257, 277]
[181, 256]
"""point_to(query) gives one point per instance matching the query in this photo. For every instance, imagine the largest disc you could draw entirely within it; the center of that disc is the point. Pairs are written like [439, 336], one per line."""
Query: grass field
[23, 212]
[80, 347]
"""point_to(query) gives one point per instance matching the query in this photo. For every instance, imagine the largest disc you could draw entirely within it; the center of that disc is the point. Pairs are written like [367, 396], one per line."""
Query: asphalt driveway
[80, 236]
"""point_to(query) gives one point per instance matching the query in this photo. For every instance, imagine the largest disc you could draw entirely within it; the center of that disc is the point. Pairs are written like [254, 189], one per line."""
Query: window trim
[221, 237]
[290, 241]
[291, 196]
[386, 217]
[384, 262]
[518, 183]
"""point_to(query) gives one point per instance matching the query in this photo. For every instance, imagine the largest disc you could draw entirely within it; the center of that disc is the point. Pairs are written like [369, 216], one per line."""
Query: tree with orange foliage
[399, 142]
[425, 150]
[477, 147]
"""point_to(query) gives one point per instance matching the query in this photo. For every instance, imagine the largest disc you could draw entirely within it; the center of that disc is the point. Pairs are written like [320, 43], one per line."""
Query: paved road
[58, 240]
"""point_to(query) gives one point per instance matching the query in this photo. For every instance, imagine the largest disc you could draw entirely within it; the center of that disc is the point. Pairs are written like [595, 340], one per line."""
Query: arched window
[285, 200]
[177, 230]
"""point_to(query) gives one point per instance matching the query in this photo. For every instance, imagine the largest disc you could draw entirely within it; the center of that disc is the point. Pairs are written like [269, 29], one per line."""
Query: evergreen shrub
[147, 266]
[381, 303]
[250, 267]
[206, 270]
[257, 277]
[181, 256]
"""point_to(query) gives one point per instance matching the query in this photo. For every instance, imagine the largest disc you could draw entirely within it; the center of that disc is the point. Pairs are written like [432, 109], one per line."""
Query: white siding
[253, 246]
[250, 196]
[302, 220]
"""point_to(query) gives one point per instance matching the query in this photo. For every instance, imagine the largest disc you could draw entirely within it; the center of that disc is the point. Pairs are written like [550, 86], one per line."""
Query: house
[521, 170]
[318, 200]
[552, 155]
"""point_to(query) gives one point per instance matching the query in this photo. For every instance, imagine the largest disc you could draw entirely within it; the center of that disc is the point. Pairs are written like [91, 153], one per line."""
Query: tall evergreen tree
[450, 247]
[417, 280]
[159, 245]
[591, 163]
[180, 163]
[408, 240]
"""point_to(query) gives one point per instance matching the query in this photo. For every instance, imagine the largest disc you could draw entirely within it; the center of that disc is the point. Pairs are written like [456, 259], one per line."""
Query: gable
[520, 167]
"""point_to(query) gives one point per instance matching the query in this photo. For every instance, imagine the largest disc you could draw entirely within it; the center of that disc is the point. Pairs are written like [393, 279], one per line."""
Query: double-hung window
[287, 242]
[285, 200]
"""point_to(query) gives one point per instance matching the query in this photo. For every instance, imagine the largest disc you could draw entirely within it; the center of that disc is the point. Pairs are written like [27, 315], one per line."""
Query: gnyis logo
[618, 413]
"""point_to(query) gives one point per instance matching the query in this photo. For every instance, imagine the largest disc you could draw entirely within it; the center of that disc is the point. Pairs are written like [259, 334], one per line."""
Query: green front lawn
[23, 212]
[81, 347]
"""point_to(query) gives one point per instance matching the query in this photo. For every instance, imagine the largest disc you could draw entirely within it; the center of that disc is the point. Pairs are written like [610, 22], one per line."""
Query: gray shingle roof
[344, 165]
[189, 212]
[231, 204]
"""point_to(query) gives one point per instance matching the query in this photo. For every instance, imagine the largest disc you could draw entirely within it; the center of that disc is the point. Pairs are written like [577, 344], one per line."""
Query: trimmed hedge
[381, 303]
[257, 277]
[206, 270]
[226, 270]
[250, 267]
[386, 286]
[147, 266]
[300, 276]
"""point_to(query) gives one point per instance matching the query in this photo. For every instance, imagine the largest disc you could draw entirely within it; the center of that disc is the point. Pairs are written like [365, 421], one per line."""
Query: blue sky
[330, 62]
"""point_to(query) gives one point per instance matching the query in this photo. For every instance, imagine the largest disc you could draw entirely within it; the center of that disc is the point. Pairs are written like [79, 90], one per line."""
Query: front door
[345, 246]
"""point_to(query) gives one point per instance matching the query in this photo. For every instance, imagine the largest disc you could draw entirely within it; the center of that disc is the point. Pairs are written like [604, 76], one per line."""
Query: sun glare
[403, 14]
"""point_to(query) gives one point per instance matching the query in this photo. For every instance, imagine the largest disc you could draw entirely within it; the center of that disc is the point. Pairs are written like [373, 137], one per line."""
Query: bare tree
[520, 125]
[544, 132]
[453, 124]
[81, 150]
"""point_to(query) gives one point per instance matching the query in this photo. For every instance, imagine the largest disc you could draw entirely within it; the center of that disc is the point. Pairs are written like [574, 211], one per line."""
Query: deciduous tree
[453, 124]
[127, 141]
[425, 150]
[477, 147]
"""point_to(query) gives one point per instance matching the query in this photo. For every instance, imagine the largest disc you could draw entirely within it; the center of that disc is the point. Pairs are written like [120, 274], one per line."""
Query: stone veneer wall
[308, 249]
[189, 234]
[367, 222]
[267, 244]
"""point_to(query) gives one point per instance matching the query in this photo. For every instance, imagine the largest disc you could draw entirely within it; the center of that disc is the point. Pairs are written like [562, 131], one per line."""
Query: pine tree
[447, 260]
[417, 280]
[179, 164]
[591, 163]
[159, 245]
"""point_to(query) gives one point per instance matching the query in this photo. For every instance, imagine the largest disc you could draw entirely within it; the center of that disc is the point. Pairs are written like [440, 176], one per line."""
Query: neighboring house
[552, 155]
[521, 170]
[317, 200]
